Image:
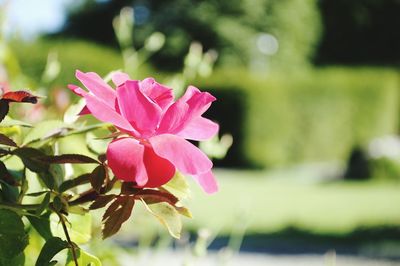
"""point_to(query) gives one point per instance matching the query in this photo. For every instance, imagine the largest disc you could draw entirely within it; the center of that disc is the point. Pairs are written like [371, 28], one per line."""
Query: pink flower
[157, 127]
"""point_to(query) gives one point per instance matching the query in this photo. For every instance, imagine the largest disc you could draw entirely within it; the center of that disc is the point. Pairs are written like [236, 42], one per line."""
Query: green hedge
[317, 117]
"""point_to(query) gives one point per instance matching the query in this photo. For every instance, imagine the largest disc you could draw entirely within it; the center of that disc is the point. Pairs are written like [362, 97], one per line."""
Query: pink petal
[207, 182]
[105, 113]
[125, 158]
[119, 78]
[77, 90]
[137, 108]
[199, 102]
[159, 170]
[173, 118]
[186, 157]
[199, 128]
[159, 93]
[95, 84]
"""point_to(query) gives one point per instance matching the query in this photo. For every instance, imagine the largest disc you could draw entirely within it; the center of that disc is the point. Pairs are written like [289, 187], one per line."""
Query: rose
[157, 127]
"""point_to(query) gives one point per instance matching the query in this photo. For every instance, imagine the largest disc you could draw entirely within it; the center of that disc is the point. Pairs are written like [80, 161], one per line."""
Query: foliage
[316, 117]
[364, 34]
[232, 28]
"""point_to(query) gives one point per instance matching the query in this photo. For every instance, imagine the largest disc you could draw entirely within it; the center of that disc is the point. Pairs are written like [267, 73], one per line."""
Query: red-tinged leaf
[116, 214]
[97, 177]
[4, 108]
[20, 97]
[5, 175]
[30, 158]
[151, 196]
[7, 141]
[70, 183]
[102, 201]
[68, 158]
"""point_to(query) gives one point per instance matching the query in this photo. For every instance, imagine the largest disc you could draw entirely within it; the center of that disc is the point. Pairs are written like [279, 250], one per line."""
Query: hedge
[320, 116]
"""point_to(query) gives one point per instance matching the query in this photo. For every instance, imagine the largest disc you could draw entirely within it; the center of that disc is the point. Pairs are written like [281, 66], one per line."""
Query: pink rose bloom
[157, 126]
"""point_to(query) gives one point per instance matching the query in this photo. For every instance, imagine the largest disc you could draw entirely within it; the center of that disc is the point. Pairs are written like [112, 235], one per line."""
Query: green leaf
[7, 141]
[13, 238]
[41, 130]
[97, 177]
[52, 246]
[67, 158]
[80, 180]
[102, 201]
[79, 227]
[29, 157]
[178, 186]
[43, 205]
[84, 258]
[72, 113]
[9, 122]
[19, 260]
[168, 216]
[41, 224]
[47, 179]
[96, 145]
[116, 214]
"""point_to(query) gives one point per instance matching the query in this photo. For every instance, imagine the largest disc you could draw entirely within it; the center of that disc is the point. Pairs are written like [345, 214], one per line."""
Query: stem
[71, 244]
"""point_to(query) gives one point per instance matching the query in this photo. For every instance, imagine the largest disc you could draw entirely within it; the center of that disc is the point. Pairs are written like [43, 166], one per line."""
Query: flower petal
[159, 170]
[119, 78]
[186, 157]
[95, 84]
[105, 113]
[159, 93]
[125, 158]
[171, 122]
[199, 128]
[207, 182]
[137, 108]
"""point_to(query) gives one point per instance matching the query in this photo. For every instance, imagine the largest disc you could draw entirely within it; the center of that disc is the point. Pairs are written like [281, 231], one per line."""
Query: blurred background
[308, 156]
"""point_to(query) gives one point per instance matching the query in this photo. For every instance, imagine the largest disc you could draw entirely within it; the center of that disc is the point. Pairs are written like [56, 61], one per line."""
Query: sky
[31, 17]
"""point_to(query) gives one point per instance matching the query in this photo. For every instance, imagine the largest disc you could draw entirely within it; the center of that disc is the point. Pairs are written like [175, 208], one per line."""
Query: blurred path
[176, 258]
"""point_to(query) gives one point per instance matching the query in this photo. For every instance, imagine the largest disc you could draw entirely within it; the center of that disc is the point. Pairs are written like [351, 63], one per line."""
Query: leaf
[79, 227]
[4, 108]
[80, 180]
[72, 113]
[43, 205]
[41, 130]
[102, 201]
[47, 179]
[168, 216]
[84, 258]
[9, 122]
[8, 193]
[52, 246]
[13, 238]
[41, 224]
[20, 97]
[5, 175]
[151, 196]
[178, 186]
[7, 141]
[18, 260]
[29, 157]
[68, 158]
[116, 214]
[97, 177]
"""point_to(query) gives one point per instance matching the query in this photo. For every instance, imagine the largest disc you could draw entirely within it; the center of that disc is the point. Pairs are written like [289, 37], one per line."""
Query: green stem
[71, 244]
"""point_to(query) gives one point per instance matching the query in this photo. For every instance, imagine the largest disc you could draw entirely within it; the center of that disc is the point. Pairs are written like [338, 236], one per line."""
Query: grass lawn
[265, 202]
